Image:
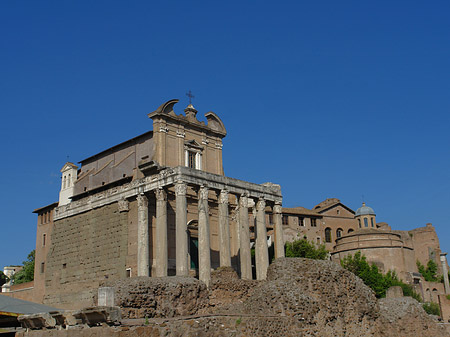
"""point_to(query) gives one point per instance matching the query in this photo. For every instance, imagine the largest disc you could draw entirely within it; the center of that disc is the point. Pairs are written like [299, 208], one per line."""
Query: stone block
[96, 315]
[106, 296]
[37, 321]
[394, 292]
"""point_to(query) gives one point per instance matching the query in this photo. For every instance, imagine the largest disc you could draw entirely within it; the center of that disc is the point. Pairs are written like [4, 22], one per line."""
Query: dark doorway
[193, 251]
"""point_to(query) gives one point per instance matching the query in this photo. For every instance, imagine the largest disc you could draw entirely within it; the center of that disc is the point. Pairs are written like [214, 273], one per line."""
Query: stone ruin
[300, 297]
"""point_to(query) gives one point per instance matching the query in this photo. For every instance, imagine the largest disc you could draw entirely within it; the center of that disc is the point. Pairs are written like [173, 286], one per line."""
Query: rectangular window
[313, 223]
[42, 267]
[128, 272]
[270, 219]
[44, 236]
[301, 221]
[191, 159]
[285, 220]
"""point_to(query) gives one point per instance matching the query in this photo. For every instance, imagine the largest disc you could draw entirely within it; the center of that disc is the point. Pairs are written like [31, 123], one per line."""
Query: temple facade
[156, 205]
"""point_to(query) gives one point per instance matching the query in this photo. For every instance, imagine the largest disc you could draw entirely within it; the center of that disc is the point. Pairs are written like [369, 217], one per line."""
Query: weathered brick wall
[86, 249]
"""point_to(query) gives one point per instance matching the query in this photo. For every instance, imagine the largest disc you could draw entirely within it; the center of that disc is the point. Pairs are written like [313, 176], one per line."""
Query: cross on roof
[189, 94]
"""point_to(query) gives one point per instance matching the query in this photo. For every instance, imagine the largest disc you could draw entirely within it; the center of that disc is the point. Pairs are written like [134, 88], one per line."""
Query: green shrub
[432, 308]
[306, 249]
[374, 279]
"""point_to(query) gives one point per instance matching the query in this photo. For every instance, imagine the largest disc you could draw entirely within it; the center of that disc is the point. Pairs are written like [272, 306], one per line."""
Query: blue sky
[327, 98]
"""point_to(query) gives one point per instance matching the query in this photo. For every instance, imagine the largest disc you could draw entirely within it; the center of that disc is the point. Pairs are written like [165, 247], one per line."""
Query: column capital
[123, 205]
[261, 204]
[203, 192]
[142, 200]
[161, 194]
[243, 200]
[223, 197]
[277, 208]
[180, 188]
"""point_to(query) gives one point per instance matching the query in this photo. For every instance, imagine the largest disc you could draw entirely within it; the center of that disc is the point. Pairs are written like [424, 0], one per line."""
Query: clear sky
[326, 98]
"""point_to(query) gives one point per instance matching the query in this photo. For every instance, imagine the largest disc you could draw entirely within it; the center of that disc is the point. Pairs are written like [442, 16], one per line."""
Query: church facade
[155, 205]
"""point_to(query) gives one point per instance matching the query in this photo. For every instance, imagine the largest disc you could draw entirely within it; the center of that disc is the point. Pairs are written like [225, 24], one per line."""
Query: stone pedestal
[143, 265]
[244, 246]
[181, 230]
[204, 253]
[278, 231]
[161, 233]
[261, 253]
[224, 230]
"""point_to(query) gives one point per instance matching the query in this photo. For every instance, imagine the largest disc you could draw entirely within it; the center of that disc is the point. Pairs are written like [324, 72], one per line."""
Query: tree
[26, 274]
[3, 278]
[306, 249]
[428, 273]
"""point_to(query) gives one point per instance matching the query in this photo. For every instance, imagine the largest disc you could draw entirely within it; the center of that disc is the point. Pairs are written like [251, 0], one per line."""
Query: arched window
[68, 181]
[359, 223]
[328, 234]
[371, 221]
[350, 230]
[64, 182]
[366, 223]
[339, 232]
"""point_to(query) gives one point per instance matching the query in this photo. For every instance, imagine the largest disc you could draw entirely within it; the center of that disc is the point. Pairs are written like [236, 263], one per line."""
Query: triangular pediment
[69, 166]
[193, 143]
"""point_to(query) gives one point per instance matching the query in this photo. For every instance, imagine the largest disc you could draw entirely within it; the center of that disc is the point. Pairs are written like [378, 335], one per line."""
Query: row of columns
[204, 247]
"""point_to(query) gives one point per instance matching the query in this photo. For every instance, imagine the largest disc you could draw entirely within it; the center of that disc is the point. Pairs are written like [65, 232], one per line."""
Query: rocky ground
[300, 297]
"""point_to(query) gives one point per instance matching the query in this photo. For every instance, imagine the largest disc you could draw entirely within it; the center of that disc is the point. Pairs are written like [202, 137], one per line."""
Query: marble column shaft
[161, 233]
[181, 230]
[244, 245]
[204, 253]
[278, 231]
[143, 259]
[262, 252]
[445, 273]
[224, 230]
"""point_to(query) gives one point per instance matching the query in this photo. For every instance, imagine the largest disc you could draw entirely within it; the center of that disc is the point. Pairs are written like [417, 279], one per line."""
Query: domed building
[365, 216]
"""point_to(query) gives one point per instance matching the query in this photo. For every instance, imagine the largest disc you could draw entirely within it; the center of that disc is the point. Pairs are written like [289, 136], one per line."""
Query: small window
[359, 223]
[64, 265]
[301, 221]
[371, 221]
[68, 181]
[128, 272]
[191, 159]
[313, 223]
[366, 224]
[318, 241]
[339, 232]
[42, 267]
[350, 230]
[64, 182]
[270, 219]
[44, 236]
[328, 234]
[338, 211]
[285, 220]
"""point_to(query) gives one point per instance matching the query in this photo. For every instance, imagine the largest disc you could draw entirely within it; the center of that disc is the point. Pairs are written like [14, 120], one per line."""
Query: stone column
[181, 230]
[224, 230]
[204, 253]
[445, 272]
[278, 230]
[244, 246]
[161, 233]
[143, 265]
[262, 251]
